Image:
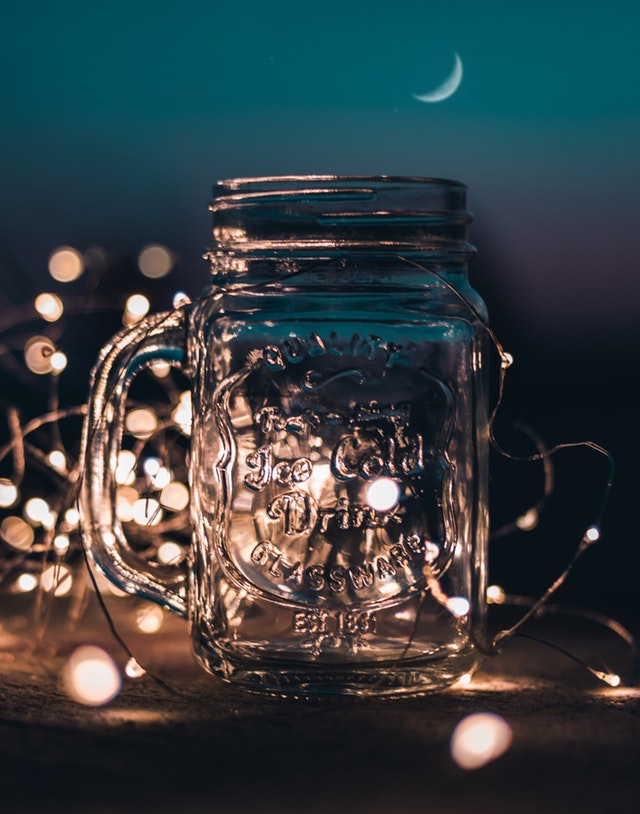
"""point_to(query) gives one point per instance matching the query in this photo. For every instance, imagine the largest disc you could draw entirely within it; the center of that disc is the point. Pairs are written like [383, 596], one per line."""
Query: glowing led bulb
[383, 494]
[158, 475]
[155, 261]
[91, 676]
[126, 498]
[180, 299]
[506, 360]
[58, 460]
[49, 306]
[72, 518]
[182, 414]
[170, 553]
[17, 533]
[8, 493]
[125, 473]
[175, 496]
[61, 543]
[136, 306]
[529, 520]
[38, 352]
[480, 738]
[38, 512]
[58, 361]
[160, 369]
[147, 512]
[611, 679]
[65, 264]
[57, 579]
[141, 422]
[149, 619]
[592, 534]
[133, 670]
[496, 595]
[26, 583]
[458, 606]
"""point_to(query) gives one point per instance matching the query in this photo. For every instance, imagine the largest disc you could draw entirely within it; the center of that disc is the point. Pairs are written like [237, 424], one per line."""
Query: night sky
[117, 119]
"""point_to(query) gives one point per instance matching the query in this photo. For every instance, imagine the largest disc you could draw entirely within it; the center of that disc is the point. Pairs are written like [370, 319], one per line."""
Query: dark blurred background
[118, 118]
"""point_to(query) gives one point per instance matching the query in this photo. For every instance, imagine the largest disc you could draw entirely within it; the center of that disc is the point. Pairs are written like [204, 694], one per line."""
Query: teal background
[116, 120]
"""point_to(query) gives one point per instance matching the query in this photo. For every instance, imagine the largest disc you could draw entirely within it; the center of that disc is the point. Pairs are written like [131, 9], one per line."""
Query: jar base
[303, 680]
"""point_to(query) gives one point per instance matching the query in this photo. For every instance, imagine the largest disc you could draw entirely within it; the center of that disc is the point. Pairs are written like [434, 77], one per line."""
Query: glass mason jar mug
[339, 443]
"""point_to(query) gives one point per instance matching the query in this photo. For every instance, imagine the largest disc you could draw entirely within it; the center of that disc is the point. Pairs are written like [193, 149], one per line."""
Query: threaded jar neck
[323, 215]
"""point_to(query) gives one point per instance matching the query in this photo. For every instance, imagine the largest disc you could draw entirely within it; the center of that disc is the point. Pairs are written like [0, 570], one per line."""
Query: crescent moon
[447, 88]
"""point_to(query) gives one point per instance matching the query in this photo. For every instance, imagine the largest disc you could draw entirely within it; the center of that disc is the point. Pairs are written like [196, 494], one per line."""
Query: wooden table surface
[193, 744]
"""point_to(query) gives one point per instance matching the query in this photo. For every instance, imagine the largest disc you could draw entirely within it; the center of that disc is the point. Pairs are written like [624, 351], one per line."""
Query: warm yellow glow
[49, 306]
[159, 476]
[506, 360]
[458, 606]
[91, 676]
[528, 521]
[147, 512]
[170, 553]
[126, 498]
[592, 534]
[155, 261]
[480, 738]
[133, 669]
[136, 306]
[57, 578]
[8, 493]
[160, 369]
[38, 512]
[182, 415]
[496, 595]
[58, 460]
[383, 494]
[180, 299]
[66, 264]
[125, 473]
[16, 533]
[141, 422]
[149, 619]
[175, 496]
[37, 354]
[61, 543]
[58, 361]
[26, 583]
[611, 679]
[72, 518]
[152, 466]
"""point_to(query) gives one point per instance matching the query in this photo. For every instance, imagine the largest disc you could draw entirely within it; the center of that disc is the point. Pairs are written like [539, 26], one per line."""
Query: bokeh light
[91, 676]
[149, 618]
[141, 422]
[66, 264]
[155, 261]
[136, 306]
[17, 533]
[175, 496]
[383, 494]
[49, 306]
[8, 493]
[57, 578]
[458, 606]
[480, 738]
[37, 354]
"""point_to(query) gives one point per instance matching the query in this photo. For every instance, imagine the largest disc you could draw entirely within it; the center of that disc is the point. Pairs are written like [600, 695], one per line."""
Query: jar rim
[275, 183]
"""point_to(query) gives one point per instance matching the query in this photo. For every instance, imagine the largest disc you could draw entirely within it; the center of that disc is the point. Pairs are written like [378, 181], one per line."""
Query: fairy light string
[153, 524]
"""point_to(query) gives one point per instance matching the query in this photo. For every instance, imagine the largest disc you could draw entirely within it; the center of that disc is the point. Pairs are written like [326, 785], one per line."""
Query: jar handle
[159, 337]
